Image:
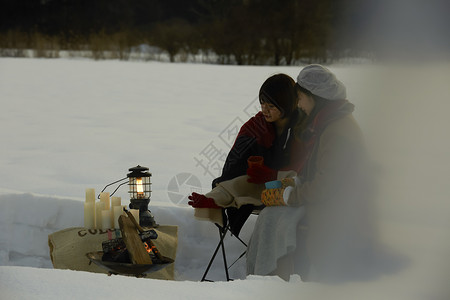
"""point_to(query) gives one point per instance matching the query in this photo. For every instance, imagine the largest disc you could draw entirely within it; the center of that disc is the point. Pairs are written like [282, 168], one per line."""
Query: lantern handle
[126, 178]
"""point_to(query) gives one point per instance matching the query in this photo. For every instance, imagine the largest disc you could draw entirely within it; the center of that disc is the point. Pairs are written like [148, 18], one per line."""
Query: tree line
[277, 32]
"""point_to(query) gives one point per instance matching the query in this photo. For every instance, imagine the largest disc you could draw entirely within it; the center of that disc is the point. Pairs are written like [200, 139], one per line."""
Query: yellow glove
[273, 197]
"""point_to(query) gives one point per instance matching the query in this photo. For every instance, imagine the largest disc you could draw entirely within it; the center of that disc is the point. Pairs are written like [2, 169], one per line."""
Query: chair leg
[236, 260]
[222, 234]
[223, 251]
[210, 263]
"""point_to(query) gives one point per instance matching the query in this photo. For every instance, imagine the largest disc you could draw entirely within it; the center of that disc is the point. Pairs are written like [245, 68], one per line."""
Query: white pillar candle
[106, 219]
[116, 201]
[135, 213]
[117, 212]
[90, 195]
[89, 215]
[99, 206]
[104, 197]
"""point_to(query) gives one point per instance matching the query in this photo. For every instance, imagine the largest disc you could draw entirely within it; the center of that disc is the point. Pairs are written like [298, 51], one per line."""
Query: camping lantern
[139, 183]
[139, 190]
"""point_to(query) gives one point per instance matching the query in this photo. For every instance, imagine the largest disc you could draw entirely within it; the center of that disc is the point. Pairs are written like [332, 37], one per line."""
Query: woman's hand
[261, 174]
[201, 201]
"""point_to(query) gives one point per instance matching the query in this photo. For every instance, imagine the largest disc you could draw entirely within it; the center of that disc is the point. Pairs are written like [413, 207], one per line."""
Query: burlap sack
[68, 248]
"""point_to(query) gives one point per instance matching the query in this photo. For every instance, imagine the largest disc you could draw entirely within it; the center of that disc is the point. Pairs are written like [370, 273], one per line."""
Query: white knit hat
[321, 82]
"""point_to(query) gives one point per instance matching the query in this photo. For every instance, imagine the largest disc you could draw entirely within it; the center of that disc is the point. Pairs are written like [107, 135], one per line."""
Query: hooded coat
[332, 200]
[337, 195]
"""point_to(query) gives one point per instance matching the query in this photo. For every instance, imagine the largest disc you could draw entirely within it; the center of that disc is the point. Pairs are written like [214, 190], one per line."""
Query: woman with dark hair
[268, 134]
[331, 195]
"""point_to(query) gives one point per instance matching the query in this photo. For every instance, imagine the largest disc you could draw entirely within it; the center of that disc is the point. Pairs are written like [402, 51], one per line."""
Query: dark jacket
[257, 137]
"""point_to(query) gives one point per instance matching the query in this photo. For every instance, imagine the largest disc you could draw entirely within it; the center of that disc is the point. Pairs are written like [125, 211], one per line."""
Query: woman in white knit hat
[331, 194]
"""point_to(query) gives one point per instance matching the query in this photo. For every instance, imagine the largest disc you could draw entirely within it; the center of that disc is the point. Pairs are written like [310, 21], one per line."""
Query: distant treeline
[277, 32]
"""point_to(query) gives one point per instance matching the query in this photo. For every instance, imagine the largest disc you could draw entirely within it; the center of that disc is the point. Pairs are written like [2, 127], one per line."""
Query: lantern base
[146, 218]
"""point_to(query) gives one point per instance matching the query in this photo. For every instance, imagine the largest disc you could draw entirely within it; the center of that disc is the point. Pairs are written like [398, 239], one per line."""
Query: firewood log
[149, 242]
[135, 247]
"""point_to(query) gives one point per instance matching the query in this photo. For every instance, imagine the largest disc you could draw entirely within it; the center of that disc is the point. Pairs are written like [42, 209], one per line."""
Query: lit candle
[117, 212]
[89, 215]
[90, 195]
[106, 219]
[99, 206]
[104, 197]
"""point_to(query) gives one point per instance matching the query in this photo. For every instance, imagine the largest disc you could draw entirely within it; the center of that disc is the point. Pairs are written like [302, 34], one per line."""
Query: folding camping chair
[232, 223]
[234, 226]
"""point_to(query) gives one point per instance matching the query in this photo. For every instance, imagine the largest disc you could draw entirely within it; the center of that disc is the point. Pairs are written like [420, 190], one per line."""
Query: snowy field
[68, 125]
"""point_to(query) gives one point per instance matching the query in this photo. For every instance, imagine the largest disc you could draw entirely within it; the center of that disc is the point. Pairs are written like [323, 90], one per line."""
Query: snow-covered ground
[67, 125]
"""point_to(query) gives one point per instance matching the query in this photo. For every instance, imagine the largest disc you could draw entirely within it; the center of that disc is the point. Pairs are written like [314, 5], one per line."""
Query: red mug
[255, 160]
